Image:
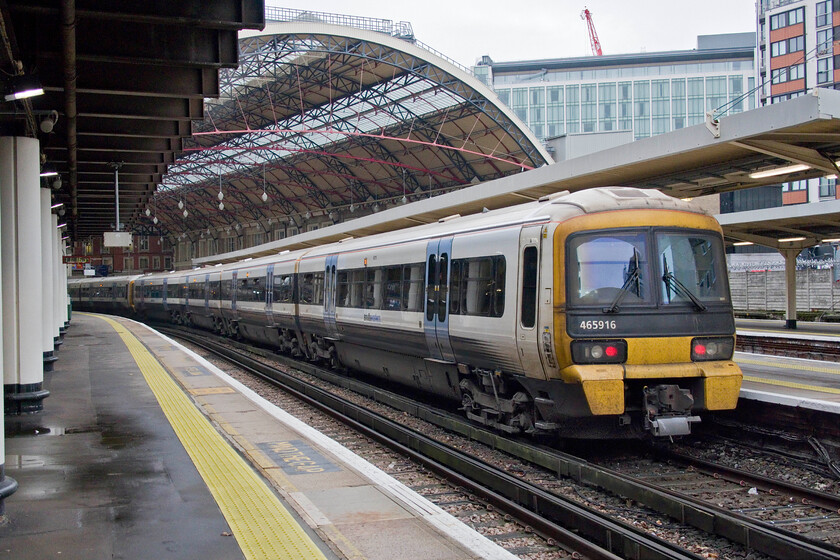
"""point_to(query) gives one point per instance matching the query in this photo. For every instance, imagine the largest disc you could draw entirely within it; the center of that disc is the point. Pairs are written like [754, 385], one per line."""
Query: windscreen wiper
[679, 288]
[635, 276]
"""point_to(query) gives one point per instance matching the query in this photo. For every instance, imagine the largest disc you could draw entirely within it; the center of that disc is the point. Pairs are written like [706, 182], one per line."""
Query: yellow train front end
[644, 328]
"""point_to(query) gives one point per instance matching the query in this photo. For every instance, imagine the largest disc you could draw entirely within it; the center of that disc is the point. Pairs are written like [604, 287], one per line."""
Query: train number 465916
[597, 325]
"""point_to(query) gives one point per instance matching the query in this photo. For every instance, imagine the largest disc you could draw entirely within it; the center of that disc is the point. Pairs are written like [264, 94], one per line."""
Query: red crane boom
[593, 35]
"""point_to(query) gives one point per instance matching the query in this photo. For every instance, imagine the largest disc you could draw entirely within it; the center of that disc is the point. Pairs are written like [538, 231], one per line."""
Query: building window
[795, 186]
[661, 105]
[825, 70]
[572, 109]
[143, 243]
[167, 263]
[606, 106]
[678, 103]
[554, 111]
[128, 263]
[588, 107]
[504, 96]
[824, 13]
[230, 244]
[785, 19]
[828, 187]
[279, 234]
[625, 106]
[156, 263]
[715, 93]
[536, 111]
[824, 41]
[519, 103]
[736, 92]
[641, 115]
[144, 263]
[782, 75]
[696, 101]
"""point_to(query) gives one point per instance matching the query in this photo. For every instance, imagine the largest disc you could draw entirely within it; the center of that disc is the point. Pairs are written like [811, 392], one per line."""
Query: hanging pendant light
[264, 196]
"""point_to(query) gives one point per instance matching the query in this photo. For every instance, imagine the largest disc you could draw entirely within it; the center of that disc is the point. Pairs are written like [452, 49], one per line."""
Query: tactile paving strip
[263, 528]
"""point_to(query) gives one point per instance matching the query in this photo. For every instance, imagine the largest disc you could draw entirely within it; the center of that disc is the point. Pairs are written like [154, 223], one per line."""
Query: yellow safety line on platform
[792, 385]
[260, 523]
[788, 365]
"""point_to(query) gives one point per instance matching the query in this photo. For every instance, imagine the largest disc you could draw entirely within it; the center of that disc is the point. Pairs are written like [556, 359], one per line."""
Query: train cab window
[691, 267]
[529, 287]
[608, 267]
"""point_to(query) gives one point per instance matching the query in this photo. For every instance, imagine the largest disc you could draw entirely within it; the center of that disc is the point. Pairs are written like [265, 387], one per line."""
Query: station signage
[74, 260]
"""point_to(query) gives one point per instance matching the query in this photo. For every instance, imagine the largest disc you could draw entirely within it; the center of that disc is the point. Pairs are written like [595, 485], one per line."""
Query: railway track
[789, 347]
[560, 519]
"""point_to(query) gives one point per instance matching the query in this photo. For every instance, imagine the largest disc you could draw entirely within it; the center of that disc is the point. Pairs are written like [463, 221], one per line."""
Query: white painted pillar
[47, 342]
[65, 275]
[8, 485]
[57, 271]
[790, 281]
[20, 255]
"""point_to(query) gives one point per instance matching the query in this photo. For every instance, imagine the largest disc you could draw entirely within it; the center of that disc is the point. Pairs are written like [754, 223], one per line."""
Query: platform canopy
[122, 82]
[328, 118]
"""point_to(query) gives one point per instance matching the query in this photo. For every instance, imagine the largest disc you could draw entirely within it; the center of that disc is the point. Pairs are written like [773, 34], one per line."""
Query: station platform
[805, 330]
[790, 381]
[146, 450]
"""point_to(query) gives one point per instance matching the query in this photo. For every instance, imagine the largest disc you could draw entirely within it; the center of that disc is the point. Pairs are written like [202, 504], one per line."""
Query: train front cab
[644, 327]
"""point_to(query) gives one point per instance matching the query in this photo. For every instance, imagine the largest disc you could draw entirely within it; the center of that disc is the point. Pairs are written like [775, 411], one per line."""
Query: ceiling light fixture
[742, 243]
[832, 240]
[48, 170]
[23, 86]
[779, 171]
[791, 239]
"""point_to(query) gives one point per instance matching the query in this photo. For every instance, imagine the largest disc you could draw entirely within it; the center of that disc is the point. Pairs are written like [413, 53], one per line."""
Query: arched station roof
[321, 123]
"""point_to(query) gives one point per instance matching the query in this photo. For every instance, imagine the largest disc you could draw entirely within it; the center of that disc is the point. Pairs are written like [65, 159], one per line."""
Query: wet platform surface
[116, 467]
[101, 472]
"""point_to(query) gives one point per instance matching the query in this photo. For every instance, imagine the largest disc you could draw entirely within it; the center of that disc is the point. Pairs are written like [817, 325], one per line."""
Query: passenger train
[600, 314]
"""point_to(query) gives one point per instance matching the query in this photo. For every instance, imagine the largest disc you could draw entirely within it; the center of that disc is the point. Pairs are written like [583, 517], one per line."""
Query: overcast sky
[532, 29]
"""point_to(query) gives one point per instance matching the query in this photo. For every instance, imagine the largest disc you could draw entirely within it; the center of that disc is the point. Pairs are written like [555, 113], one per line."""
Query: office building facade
[647, 93]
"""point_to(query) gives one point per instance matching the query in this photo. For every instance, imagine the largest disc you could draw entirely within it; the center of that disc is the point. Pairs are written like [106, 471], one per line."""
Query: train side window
[431, 288]
[357, 288]
[373, 288]
[443, 286]
[342, 289]
[284, 288]
[393, 288]
[498, 294]
[412, 291]
[455, 292]
[318, 288]
[529, 287]
[306, 288]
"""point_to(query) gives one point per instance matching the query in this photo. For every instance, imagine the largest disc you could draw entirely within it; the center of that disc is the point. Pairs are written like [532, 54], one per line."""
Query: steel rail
[605, 538]
[738, 528]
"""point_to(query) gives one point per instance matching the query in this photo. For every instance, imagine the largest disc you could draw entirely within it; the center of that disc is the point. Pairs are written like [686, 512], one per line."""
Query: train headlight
[599, 351]
[706, 349]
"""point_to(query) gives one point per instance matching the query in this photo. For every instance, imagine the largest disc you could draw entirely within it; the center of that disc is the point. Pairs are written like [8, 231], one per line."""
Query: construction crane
[593, 36]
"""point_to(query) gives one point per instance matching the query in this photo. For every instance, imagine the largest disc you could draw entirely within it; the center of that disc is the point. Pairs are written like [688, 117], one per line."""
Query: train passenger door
[163, 295]
[207, 294]
[330, 276]
[527, 320]
[436, 312]
[234, 287]
[269, 294]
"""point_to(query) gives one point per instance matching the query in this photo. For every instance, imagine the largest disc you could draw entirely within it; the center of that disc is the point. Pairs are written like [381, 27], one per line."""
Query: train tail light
[707, 349]
[599, 351]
